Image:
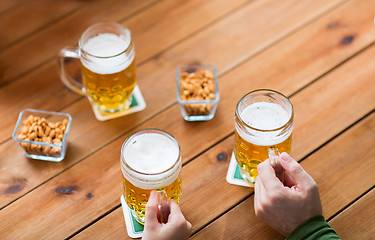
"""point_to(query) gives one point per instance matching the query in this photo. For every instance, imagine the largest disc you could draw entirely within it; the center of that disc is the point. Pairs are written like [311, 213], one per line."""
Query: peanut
[52, 134]
[197, 86]
[37, 129]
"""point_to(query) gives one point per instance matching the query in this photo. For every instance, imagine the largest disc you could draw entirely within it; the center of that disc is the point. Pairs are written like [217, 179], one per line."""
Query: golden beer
[136, 198]
[108, 71]
[150, 160]
[110, 92]
[263, 122]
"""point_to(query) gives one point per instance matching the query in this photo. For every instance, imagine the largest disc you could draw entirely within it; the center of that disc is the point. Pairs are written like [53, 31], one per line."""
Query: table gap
[335, 67]
[96, 220]
[350, 204]
[39, 29]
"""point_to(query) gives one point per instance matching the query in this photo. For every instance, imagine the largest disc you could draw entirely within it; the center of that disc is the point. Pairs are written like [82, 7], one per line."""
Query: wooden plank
[85, 127]
[309, 53]
[6, 5]
[30, 53]
[168, 13]
[357, 221]
[31, 16]
[166, 24]
[118, 230]
[331, 167]
[45, 79]
[95, 173]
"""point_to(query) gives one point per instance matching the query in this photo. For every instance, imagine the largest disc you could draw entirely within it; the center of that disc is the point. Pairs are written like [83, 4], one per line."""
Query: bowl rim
[42, 143]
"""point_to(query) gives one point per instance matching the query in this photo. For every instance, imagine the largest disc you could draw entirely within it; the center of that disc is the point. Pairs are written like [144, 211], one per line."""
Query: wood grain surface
[318, 53]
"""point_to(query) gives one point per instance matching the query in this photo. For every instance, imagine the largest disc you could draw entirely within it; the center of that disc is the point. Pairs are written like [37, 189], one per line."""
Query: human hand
[177, 227]
[286, 206]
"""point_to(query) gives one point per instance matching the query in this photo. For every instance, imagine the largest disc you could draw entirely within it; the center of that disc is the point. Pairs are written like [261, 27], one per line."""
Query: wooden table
[319, 53]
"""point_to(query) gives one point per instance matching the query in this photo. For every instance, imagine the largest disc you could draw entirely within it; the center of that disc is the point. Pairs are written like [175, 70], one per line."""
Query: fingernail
[284, 156]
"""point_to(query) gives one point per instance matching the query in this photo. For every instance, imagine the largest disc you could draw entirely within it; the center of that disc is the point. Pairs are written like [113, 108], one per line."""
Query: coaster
[234, 175]
[134, 228]
[138, 104]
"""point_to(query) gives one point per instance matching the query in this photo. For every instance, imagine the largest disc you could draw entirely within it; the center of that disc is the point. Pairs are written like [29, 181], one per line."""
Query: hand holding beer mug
[264, 125]
[150, 160]
[106, 52]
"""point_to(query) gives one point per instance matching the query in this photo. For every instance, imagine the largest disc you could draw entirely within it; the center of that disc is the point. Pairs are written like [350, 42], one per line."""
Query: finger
[175, 208]
[257, 195]
[164, 210]
[268, 177]
[189, 225]
[288, 180]
[152, 208]
[176, 214]
[295, 170]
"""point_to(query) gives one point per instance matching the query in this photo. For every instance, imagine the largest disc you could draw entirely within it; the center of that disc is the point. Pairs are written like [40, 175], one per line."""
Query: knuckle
[273, 199]
[312, 187]
[296, 169]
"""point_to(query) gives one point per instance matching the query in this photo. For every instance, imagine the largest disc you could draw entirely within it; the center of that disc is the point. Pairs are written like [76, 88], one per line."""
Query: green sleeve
[314, 228]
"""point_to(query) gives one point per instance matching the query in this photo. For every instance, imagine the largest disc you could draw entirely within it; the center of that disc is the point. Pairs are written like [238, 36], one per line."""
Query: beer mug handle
[274, 155]
[69, 82]
[164, 208]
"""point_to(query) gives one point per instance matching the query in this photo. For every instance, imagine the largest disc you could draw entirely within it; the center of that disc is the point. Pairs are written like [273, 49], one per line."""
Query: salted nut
[197, 86]
[41, 130]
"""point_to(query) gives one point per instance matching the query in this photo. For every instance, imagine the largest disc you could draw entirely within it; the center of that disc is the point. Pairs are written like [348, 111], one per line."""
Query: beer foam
[151, 153]
[264, 116]
[105, 47]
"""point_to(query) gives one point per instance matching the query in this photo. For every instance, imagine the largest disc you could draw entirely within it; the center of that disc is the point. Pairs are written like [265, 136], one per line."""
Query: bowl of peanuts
[42, 134]
[197, 91]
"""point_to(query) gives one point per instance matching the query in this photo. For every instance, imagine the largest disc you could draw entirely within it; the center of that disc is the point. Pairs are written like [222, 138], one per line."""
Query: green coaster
[134, 228]
[234, 174]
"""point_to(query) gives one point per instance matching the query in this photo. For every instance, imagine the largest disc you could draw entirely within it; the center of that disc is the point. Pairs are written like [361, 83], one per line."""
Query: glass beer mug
[263, 128]
[107, 54]
[150, 160]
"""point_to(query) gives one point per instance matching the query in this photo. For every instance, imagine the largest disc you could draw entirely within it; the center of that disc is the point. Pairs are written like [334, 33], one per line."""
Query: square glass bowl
[197, 91]
[42, 138]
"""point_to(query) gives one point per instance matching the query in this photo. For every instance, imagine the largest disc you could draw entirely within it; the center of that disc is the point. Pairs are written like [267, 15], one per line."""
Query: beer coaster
[234, 174]
[134, 228]
[138, 104]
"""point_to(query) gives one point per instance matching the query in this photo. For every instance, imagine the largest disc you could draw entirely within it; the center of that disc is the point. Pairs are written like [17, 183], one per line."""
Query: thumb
[295, 170]
[152, 208]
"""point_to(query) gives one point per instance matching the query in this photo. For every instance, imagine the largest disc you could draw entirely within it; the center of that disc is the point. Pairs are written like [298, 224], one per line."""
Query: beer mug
[107, 54]
[263, 128]
[150, 160]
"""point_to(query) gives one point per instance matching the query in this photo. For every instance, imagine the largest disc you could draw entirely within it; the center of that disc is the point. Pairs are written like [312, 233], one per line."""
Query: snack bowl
[42, 134]
[197, 91]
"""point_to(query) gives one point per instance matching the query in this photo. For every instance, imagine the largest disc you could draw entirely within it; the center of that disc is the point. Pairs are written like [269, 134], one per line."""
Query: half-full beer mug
[263, 128]
[107, 54]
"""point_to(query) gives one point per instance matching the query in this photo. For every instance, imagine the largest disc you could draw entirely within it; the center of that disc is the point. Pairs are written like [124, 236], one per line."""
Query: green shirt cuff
[314, 228]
